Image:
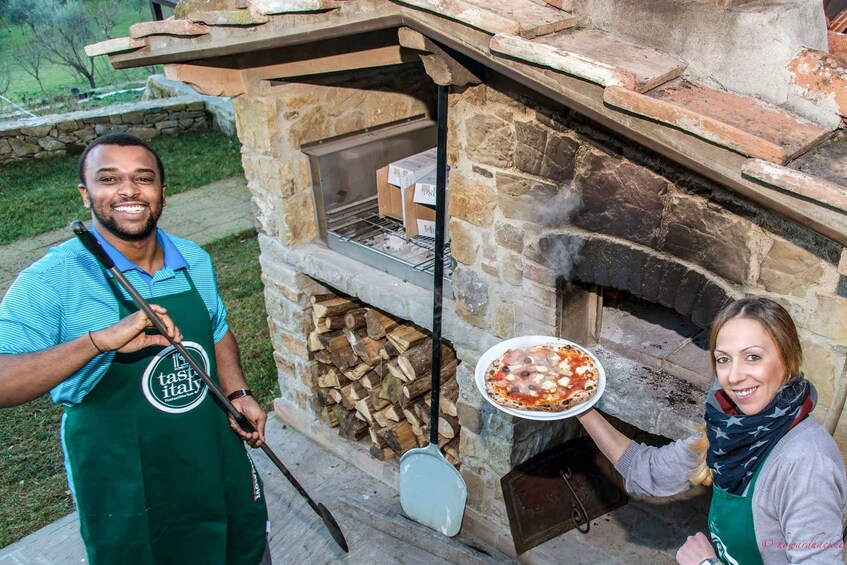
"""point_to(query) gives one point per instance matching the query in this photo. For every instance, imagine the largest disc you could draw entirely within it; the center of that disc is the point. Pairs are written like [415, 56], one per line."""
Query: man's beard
[112, 226]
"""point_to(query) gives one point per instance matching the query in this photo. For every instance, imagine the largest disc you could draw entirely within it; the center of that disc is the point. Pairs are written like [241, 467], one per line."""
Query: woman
[780, 488]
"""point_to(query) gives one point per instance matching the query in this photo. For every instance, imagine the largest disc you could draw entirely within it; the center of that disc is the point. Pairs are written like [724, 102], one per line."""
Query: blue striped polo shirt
[65, 294]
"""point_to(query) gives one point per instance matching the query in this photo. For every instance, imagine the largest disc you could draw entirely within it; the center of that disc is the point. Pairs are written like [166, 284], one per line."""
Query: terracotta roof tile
[828, 161]
[594, 56]
[167, 27]
[819, 75]
[270, 7]
[523, 18]
[740, 123]
[116, 45]
[797, 182]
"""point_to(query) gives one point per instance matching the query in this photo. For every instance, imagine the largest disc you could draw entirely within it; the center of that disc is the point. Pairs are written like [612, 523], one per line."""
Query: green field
[57, 79]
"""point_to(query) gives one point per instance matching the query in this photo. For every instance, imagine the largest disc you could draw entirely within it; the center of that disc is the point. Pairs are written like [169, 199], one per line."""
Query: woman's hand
[697, 548]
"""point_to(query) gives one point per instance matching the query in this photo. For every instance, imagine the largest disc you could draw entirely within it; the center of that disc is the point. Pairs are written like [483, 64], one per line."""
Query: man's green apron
[159, 475]
[731, 525]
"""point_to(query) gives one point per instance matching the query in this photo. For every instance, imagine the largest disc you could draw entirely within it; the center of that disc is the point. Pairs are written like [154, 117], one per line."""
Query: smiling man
[157, 472]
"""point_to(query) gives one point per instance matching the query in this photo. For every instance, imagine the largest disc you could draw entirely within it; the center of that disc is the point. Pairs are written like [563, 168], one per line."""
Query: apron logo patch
[170, 384]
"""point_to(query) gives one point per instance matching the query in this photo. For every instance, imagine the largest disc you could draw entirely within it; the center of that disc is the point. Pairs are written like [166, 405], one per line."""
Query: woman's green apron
[159, 476]
[731, 525]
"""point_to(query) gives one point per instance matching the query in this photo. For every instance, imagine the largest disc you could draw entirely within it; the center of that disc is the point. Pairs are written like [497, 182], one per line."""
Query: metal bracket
[580, 516]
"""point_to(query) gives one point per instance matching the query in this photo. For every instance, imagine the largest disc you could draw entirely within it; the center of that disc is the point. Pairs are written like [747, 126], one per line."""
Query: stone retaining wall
[60, 134]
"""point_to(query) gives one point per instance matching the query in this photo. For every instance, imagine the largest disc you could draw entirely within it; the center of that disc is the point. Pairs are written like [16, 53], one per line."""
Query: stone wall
[272, 125]
[60, 134]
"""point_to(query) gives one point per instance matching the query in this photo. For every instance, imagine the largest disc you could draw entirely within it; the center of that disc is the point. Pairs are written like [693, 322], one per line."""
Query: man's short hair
[124, 140]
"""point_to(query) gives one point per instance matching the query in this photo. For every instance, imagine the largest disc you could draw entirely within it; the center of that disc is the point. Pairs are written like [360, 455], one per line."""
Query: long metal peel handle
[92, 245]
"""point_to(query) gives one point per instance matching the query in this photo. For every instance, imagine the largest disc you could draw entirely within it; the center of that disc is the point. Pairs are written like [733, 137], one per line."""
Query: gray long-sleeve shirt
[799, 500]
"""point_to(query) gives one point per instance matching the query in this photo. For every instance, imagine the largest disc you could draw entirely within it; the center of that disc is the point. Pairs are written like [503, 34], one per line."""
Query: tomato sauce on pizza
[547, 378]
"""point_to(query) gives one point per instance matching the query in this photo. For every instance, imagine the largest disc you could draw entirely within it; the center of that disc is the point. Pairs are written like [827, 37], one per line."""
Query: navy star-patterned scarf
[738, 444]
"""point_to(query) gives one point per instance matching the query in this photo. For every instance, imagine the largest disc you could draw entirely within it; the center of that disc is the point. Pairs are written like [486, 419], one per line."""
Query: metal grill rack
[357, 231]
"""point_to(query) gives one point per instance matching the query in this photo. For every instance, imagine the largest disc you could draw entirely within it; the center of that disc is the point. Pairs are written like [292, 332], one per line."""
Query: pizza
[544, 378]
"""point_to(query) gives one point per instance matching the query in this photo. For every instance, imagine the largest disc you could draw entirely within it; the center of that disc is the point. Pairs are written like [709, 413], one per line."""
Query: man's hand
[697, 548]
[248, 406]
[128, 335]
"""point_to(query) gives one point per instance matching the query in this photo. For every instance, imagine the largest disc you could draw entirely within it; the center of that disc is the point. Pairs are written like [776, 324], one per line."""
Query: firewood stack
[374, 379]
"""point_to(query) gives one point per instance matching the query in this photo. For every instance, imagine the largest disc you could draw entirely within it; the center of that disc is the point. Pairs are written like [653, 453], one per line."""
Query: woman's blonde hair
[777, 322]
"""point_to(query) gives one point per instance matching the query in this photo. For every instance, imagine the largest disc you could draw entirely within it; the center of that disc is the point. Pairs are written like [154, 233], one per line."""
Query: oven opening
[344, 173]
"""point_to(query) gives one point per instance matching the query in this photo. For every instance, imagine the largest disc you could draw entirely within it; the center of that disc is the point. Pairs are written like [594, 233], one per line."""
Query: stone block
[467, 443]
[531, 326]
[144, 133]
[529, 199]
[709, 236]
[558, 253]
[469, 418]
[651, 278]
[688, 292]
[619, 269]
[504, 320]
[544, 153]
[134, 118]
[829, 318]
[256, 119]
[511, 268]
[712, 298]
[37, 131]
[471, 201]
[298, 219]
[272, 175]
[5, 147]
[475, 486]
[822, 366]
[67, 126]
[168, 131]
[619, 198]
[789, 269]
[540, 274]
[51, 144]
[540, 294]
[543, 314]
[672, 276]
[490, 140]
[22, 148]
[464, 241]
[509, 236]
[598, 252]
[167, 124]
[285, 341]
[471, 290]
[115, 119]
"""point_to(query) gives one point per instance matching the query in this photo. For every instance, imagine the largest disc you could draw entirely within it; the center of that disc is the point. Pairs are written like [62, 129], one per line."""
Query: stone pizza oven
[618, 172]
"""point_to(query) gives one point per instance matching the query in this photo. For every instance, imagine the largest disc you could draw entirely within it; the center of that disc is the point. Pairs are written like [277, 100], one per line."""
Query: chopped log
[417, 388]
[422, 411]
[448, 397]
[371, 380]
[331, 378]
[451, 459]
[344, 358]
[383, 454]
[323, 356]
[381, 418]
[399, 437]
[353, 429]
[378, 323]
[355, 319]
[367, 350]
[335, 393]
[411, 417]
[391, 389]
[375, 439]
[363, 408]
[360, 417]
[375, 400]
[333, 340]
[405, 337]
[395, 370]
[315, 298]
[342, 415]
[448, 426]
[380, 368]
[417, 361]
[324, 397]
[452, 448]
[347, 397]
[330, 418]
[334, 322]
[393, 413]
[358, 392]
[442, 440]
[353, 336]
[357, 372]
[320, 324]
[314, 343]
[333, 307]
[388, 351]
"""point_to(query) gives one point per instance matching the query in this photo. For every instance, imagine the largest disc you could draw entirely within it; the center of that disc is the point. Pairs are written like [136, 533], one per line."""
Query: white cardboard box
[425, 189]
[408, 171]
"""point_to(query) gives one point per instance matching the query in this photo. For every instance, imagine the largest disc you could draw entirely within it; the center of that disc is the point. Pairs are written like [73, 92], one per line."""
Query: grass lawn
[33, 489]
[40, 195]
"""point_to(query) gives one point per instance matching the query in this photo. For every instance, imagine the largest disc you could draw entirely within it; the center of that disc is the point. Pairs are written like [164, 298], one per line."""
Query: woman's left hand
[697, 548]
